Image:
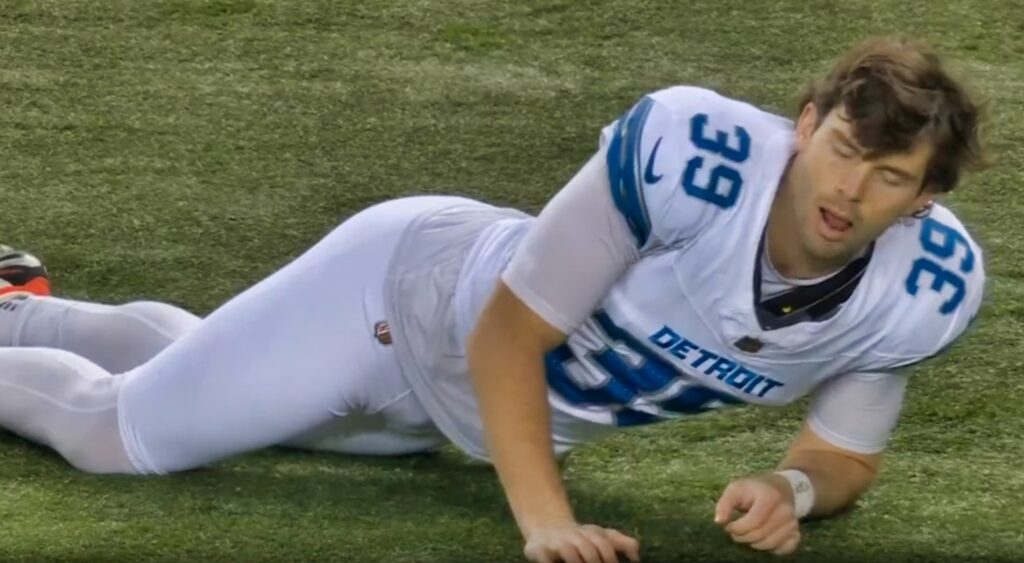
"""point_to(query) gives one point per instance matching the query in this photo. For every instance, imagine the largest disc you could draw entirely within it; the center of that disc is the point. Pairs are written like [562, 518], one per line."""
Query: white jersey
[693, 175]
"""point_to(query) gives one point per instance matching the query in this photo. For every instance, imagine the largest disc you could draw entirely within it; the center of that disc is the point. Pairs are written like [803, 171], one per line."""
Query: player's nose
[853, 182]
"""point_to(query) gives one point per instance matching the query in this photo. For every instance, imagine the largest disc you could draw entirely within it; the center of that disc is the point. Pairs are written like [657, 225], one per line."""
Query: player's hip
[422, 313]
[299, 343]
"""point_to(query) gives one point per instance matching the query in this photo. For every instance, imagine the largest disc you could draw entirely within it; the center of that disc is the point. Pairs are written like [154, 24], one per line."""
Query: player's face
[843, 197]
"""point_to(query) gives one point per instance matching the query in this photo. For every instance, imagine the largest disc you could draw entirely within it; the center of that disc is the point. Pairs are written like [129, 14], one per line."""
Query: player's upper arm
[627, 200]
[857, 412]
[575, 250]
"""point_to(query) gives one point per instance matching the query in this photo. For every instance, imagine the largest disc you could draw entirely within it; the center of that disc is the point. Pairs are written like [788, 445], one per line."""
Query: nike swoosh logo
[649, 176]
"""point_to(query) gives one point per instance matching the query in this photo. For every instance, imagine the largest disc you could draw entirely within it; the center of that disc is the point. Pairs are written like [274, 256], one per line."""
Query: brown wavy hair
[899, 91]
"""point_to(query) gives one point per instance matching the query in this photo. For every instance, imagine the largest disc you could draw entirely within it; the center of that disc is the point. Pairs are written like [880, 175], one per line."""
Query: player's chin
[825, 251]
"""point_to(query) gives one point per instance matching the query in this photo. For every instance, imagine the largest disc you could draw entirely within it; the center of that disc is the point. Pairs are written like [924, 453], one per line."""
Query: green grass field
[181, 150]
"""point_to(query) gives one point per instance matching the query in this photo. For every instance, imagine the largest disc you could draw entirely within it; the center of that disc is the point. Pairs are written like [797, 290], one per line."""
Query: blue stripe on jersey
[633, 371]
[624, 169]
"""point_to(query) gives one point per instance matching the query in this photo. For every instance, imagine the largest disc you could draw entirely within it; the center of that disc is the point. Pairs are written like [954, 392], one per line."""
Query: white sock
[115, 337]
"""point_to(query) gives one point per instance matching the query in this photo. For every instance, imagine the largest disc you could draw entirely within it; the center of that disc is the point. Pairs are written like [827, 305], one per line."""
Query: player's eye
[892, 178]
[843, 150]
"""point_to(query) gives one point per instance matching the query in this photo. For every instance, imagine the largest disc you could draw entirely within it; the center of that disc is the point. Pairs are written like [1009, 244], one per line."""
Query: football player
[708, 254]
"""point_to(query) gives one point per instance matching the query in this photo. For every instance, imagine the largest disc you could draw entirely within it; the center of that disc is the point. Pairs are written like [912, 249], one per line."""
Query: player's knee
[89, 437]
[125, 336]
[174, 322]
[97, 448]
[89, 457]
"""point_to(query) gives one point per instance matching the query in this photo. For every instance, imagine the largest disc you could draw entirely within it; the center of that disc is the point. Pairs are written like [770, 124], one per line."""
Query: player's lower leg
[116, 337]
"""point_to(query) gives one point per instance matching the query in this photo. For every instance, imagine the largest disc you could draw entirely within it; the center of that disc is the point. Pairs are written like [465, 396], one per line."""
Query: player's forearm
[838, 480]
[512, 392]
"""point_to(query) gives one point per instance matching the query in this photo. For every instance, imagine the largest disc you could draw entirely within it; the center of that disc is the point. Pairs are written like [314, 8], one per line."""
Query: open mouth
[835, 225]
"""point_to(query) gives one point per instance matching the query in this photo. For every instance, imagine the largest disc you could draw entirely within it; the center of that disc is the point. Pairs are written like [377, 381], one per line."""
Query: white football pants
[148, 388]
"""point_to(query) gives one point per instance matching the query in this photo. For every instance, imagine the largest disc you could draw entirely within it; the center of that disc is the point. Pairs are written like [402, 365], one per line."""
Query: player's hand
[766, 519]
[572, 542]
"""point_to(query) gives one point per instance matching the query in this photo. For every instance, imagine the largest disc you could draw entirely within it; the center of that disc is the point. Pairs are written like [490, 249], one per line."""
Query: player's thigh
[279, 359]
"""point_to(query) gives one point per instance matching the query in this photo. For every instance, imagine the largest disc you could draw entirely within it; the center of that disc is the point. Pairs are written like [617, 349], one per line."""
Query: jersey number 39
[723, 186]
[940, 242]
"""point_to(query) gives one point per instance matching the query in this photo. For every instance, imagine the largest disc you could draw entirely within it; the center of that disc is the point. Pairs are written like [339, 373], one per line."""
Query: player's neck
[782, 242]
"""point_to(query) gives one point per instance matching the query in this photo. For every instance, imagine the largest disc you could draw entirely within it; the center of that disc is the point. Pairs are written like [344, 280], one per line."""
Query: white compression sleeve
[858, 411]
[577, 248]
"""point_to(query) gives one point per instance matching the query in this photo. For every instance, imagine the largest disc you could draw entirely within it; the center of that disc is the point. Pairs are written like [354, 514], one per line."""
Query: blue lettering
[682, 348]
[749, 388]
[769, 384]
[741, 378]
[704, 356]
[665, 337]
[722, 366]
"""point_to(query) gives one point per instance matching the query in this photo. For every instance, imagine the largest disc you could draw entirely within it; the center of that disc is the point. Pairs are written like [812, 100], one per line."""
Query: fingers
[569, 554]
[585, 549]
[777, 538]
[625, 544]
[609, 543]
[581, 544]
[561, 554]
[790, 545]
[780, 517]
[758, 515]
[603, 545]
[769, 523]
[736, 497]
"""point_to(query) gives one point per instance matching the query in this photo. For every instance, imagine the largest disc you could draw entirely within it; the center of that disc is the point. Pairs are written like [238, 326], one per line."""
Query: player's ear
[805, 125]
[923, 203]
